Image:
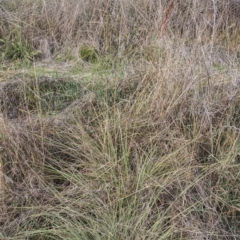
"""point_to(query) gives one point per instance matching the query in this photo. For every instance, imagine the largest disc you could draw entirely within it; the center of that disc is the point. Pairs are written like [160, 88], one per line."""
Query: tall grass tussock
[119, 119]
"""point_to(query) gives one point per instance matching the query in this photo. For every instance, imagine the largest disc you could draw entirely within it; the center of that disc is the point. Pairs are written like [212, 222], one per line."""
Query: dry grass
[151, 153]
[31, 29]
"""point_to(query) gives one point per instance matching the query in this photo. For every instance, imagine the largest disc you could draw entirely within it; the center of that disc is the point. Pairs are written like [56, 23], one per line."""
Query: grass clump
[88, 54]
[153, 155]
[20, 50]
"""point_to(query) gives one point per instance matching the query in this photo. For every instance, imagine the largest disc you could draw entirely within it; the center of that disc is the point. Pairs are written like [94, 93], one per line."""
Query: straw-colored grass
[139, 139]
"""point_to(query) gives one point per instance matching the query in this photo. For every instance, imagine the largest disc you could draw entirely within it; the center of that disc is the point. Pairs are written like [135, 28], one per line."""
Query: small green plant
[219, 67]
[19, 49]
[89, 54]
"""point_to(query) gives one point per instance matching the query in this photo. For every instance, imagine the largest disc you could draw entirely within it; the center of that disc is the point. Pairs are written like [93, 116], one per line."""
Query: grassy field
[119, 120]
